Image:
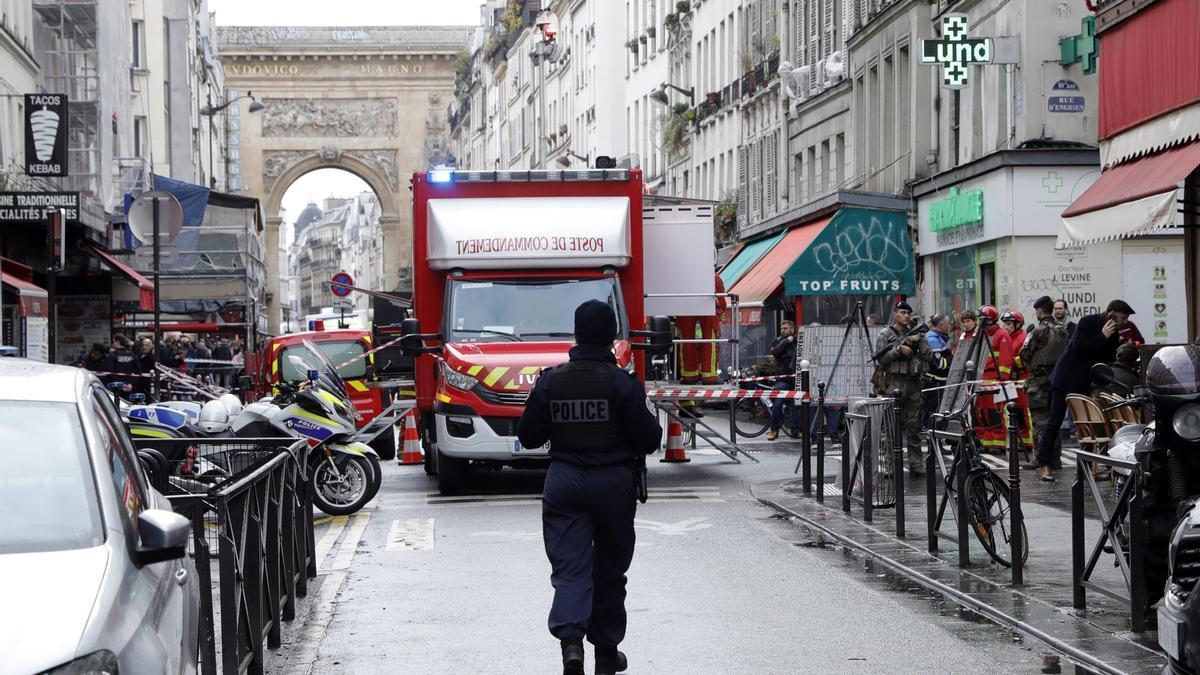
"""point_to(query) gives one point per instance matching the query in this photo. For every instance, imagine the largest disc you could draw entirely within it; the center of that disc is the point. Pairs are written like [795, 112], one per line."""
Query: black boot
[572, 653]
[610, 661]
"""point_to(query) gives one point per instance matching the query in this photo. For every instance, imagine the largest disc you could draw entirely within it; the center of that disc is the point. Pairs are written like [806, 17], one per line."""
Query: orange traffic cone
[412, 442]
[675, 452]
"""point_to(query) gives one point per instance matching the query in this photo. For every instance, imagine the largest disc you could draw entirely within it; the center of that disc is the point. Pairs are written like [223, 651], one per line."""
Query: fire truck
[500, 262]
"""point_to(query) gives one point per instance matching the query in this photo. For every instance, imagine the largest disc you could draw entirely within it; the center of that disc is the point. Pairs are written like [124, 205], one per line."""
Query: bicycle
[989, 512]
[752, 415]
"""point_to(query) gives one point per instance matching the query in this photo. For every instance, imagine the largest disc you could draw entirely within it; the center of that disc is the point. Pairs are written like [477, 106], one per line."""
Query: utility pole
[546, 48]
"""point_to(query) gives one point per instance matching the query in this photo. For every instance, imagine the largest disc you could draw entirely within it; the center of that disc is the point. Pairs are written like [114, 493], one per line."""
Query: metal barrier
[1129, 557]
[253, 494]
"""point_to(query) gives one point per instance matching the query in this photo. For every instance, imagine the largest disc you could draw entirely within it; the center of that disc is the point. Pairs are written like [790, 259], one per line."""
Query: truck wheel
[452, 474]
[384, 444]
[429, 447]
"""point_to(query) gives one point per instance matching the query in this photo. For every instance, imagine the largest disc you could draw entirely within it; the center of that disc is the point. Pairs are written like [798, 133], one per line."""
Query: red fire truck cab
[500, 262]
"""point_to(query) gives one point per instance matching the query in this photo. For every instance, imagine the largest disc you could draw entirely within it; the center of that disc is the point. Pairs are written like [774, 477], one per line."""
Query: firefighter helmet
[988, 315]
[1014, 316]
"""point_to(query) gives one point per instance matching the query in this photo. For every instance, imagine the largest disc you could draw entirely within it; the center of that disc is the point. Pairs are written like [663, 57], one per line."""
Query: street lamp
[209, 111]
[660, 94]
[564, 160]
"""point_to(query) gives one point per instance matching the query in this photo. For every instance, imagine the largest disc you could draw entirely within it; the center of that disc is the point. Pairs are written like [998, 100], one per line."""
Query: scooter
[345, 473]
[1168, 454]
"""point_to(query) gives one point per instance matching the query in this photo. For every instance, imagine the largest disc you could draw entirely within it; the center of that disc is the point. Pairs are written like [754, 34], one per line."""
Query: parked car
[9, 350]
[94, 569]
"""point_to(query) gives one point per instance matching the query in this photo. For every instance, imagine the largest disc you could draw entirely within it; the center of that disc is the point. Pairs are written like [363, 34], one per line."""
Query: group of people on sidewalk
[133, 361]
[1036, 365]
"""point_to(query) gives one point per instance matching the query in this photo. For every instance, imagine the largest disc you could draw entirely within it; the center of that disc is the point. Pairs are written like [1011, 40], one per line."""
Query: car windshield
[47, 489]
[525, 311]
[337, 351]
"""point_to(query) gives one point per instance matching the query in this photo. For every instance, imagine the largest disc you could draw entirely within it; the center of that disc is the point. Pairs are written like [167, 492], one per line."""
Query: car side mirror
[162, 535]
[313, 374]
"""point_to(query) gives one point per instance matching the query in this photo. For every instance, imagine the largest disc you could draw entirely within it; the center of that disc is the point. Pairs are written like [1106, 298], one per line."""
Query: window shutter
[813, 26]
[756, 181]
[770, 179]
[743, 185]
[797, 16]
[829, 31]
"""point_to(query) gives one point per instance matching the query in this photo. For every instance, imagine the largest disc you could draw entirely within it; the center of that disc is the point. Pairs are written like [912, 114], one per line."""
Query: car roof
[25, 380]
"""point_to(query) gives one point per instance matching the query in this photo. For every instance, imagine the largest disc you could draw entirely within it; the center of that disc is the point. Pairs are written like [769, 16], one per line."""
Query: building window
[139, 44]
[139, 137]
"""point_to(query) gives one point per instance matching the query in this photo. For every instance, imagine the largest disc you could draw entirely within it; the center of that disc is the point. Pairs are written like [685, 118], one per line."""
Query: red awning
[1131, 198]
[32, 299]
[766, 277]
[145, 286]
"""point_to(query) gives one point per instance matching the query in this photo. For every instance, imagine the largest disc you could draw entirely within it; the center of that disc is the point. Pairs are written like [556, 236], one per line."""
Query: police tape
[369, 352]
[726, 393]
[214, 361]
[766, 378]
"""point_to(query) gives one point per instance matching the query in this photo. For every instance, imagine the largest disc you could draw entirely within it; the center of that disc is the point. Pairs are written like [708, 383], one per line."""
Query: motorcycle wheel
[376, 476]
[341, 490]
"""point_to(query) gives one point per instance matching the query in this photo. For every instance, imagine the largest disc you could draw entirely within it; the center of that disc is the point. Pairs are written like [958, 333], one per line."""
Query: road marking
[525, 536]
[672, 529]
[413, 534]
[329, 538]
[350, 542]
[307, 645]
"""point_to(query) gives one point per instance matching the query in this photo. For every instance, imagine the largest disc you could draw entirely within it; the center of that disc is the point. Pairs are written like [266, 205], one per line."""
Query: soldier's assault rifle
[918, 328]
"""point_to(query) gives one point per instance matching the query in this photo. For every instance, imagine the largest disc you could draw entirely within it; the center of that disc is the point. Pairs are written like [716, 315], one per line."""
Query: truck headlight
[458, 380]
[1186, 422]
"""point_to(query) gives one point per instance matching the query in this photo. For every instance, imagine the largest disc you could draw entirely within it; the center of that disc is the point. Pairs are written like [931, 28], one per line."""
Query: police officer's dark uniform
[598, 423]
[124, 361]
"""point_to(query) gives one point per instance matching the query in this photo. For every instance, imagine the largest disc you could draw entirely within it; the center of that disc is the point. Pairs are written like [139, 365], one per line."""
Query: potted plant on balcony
[683, 7]
[651, 31]
[632, 45]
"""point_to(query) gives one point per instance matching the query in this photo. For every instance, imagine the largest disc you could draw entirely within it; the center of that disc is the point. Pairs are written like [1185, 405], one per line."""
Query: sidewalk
[1099, 638]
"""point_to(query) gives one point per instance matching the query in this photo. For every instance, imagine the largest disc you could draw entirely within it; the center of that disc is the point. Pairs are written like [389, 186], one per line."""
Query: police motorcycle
[1168, 453]
[345, 473]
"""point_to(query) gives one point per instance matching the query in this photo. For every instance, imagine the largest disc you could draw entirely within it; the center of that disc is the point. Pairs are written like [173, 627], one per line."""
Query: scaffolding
[71, 66]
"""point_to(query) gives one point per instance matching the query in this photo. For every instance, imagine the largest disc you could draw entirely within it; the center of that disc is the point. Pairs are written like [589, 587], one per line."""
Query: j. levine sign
[33, 206]
[46, 133]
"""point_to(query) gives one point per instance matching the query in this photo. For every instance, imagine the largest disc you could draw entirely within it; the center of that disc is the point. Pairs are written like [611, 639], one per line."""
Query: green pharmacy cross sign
[955, 51]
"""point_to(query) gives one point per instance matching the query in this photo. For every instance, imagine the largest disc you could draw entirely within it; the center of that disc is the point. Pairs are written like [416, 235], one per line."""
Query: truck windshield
[538, 310]
[338, 351]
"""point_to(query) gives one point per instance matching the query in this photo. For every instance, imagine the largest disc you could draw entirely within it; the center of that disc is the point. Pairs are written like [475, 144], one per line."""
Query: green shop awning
[860, 252]
[749, 254]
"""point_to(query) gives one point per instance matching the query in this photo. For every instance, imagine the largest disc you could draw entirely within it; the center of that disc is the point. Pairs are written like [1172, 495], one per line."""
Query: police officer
[901, 367]
[598, 422]
[1043, 345]
[123, 363]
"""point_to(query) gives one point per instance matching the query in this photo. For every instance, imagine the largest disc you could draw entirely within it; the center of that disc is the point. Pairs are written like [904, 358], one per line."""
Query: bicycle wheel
[751, 417]
[991, 517]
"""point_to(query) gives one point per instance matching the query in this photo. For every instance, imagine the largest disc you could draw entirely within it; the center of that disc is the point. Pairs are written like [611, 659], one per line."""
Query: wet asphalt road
[417, 583]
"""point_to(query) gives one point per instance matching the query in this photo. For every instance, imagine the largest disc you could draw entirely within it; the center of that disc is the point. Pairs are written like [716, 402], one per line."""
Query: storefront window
[957, 281]
[832, 310]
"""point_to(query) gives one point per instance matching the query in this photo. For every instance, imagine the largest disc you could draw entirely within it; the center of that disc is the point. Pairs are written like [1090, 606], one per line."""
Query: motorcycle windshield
[1174, 371]
[328, 373]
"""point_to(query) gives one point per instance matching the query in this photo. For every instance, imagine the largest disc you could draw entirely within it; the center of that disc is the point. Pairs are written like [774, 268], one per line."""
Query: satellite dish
[141, 217]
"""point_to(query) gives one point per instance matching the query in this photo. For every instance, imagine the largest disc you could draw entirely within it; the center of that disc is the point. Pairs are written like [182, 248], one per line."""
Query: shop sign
[21, 207]
[1154, 288]
[956, 210]
[1065, 98]
[955, 52]
[46, 133]
[860, 252]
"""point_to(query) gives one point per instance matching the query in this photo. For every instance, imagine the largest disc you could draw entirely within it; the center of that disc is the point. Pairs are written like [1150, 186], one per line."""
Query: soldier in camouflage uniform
[1040, 352]
[901, 368]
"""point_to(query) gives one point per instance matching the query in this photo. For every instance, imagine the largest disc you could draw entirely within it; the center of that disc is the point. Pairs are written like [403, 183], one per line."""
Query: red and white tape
[766, 378]
[726, 393]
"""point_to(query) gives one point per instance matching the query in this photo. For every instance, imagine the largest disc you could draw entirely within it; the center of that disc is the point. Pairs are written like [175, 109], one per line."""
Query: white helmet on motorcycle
[214, 418]
[232, 403]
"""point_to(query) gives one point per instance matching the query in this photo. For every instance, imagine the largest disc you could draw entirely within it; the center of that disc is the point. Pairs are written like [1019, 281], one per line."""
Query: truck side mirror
[412, 341]
[658, 336]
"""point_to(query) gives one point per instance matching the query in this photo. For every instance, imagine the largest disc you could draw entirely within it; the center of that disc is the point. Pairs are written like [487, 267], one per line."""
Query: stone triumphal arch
[369, 100]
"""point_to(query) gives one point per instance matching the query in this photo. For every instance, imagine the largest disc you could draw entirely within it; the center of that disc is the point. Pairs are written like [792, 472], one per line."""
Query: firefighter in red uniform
[997, 368]
[1014, 324]
[698, 361]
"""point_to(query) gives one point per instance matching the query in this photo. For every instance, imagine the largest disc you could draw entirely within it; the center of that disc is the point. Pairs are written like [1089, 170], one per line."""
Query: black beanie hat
[595, 323]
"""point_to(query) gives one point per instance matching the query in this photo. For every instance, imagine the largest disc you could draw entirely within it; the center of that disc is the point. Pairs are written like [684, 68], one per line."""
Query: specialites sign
[17, 207]
[955, 52]
[46, 132]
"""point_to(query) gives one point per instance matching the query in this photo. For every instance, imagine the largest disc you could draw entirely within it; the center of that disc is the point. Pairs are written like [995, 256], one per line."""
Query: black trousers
[1049, 451]
[587, 527]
